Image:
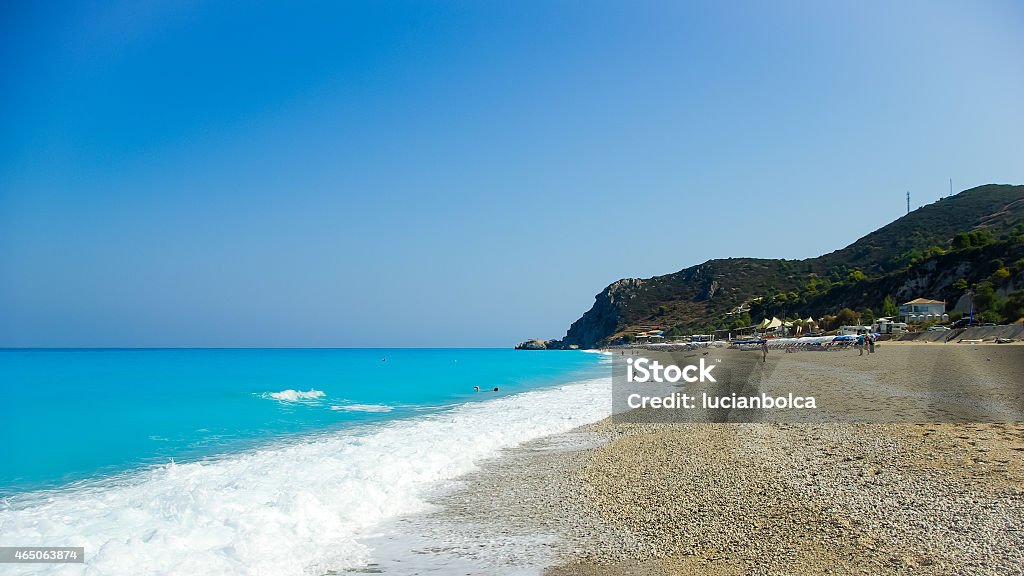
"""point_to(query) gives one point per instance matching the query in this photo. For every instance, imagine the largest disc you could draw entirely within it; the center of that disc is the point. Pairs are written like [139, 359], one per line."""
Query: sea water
[258, 461]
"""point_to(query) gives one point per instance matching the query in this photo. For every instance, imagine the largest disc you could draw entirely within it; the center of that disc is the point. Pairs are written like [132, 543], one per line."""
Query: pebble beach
[926, 497]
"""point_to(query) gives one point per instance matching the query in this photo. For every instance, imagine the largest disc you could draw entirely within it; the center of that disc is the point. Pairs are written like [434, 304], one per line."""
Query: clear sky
[471, 173]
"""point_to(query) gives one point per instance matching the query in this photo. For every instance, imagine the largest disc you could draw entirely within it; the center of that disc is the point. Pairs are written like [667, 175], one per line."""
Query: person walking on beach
[764, 351]
[871, 343]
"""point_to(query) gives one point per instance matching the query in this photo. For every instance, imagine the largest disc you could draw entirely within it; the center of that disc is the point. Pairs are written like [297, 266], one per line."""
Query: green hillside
[974, 239]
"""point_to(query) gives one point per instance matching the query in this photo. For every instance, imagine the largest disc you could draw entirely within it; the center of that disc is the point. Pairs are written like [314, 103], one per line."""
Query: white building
[852, 330]
[923, 310]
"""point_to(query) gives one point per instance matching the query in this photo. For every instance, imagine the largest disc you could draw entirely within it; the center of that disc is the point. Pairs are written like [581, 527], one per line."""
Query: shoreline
[736, 498]
[519, 513]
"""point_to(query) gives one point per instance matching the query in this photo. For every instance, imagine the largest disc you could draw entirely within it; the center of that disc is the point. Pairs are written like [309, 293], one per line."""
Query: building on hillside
[649, 336]
[741, 309]
[923, 310]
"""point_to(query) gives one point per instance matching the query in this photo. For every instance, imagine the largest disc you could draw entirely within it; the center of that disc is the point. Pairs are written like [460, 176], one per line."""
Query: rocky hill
[972, 240]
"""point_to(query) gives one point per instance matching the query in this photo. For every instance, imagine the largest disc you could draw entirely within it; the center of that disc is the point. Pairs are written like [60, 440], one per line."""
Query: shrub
[889, 307]
[1013, 306]
[847, 317]
[984, 296]
[990, 316]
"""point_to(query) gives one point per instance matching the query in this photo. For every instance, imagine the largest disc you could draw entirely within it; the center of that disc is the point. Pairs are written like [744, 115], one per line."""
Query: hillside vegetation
[973, 241]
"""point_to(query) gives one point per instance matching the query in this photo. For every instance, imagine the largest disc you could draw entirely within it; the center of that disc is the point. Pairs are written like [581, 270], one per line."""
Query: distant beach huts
[782, 328]
[650, 336]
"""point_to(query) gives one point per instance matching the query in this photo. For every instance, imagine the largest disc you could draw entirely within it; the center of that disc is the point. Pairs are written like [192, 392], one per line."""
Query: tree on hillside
[868, 315]
[984, 296]
[975, 239]
[847, 317]
[889, 307]
[741, 321]
[990, 316]
[828, 322]
[1013, 307]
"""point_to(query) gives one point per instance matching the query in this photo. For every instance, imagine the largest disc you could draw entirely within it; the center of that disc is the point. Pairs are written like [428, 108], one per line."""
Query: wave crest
[296, 395]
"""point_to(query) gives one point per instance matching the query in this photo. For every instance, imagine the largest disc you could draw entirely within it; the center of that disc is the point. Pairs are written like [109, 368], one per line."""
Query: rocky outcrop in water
[545, 345]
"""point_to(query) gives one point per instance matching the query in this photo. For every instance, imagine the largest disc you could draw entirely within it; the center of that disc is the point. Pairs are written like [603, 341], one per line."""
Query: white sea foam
[363, 408]
[295, 395]
[290, 509]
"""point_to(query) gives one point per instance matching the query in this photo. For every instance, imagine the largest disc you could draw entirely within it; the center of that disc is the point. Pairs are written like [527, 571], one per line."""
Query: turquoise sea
[259, 460]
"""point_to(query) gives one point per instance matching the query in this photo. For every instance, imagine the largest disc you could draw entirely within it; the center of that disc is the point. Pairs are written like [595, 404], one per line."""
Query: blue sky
[461, 173]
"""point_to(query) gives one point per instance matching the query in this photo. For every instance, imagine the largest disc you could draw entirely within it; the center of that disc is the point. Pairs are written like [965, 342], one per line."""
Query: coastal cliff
[606, 314]
[941, 250]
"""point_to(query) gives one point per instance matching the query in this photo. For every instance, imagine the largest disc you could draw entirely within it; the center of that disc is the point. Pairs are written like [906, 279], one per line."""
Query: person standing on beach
[764, 351]
[871, 343]
[860, 344]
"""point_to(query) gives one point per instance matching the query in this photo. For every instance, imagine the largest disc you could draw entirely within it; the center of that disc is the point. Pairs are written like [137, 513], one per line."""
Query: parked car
[962, 323]
[938, 328]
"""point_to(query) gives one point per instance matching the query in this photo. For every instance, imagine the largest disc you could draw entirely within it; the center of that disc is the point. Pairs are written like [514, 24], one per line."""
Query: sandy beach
[765, 498]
